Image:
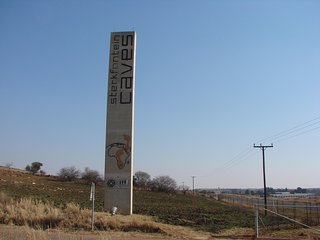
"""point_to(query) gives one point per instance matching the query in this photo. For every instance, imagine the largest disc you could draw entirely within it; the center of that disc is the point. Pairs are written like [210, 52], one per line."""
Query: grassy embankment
[66, 204]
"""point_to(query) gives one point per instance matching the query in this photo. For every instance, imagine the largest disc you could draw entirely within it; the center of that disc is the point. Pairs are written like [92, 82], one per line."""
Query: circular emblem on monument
[111, 183]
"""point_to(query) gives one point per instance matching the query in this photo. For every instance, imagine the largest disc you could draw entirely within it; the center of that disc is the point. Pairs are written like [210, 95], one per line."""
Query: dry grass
[28, 212]
[35, 216]
[32, 214]
[247, 233]
[301, 233]
[27, 233]
[39, 215]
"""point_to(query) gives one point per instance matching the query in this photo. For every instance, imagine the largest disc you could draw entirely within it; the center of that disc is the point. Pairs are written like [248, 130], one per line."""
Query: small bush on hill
[142, 180]
[68, 173]
[34, 168]
[91, 175]
[163, 184]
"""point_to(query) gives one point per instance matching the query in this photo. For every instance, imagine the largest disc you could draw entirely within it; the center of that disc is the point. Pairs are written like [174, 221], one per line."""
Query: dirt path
[26, 233]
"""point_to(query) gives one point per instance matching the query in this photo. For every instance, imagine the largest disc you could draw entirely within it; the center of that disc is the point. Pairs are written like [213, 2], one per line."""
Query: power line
[292, 130]
[243, 155]
[298, 134]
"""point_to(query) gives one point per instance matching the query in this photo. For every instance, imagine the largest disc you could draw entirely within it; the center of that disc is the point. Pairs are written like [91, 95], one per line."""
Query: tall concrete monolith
[120, 122]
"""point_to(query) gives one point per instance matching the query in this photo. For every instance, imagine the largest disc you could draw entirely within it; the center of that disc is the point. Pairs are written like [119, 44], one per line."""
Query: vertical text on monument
[119, 135]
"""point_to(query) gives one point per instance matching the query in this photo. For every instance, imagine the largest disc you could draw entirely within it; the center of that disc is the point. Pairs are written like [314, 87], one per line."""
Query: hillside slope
[174, 208]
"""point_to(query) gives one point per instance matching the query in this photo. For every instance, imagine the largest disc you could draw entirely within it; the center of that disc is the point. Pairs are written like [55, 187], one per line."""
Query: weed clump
[28, 212]
[40, 215]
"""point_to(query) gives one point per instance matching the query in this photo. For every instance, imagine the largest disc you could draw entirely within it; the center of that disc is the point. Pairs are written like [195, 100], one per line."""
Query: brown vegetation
[28, 212]
[44, 202]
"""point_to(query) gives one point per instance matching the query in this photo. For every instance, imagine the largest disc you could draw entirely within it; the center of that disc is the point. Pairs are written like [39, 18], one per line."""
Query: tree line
[163, 183]
[68, 173]
[141, 180]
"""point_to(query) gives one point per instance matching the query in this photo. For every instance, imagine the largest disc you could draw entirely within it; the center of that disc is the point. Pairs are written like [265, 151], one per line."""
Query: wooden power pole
[193, 183]
[263, 147]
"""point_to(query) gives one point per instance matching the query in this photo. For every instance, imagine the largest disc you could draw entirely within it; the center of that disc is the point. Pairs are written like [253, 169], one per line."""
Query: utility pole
[263, 147]
[193, 183]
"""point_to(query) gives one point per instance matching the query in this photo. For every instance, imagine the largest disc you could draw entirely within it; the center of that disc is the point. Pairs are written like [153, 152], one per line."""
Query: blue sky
[212, 79]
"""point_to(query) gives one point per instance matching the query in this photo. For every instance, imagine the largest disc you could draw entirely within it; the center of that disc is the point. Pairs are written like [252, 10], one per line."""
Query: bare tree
[34, 168]
[142, 179]
[91, 175]
[9, 165]
[68, 173]
[163, 184]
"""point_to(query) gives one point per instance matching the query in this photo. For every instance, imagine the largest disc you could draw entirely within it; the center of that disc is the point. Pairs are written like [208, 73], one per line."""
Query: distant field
[177, 209]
